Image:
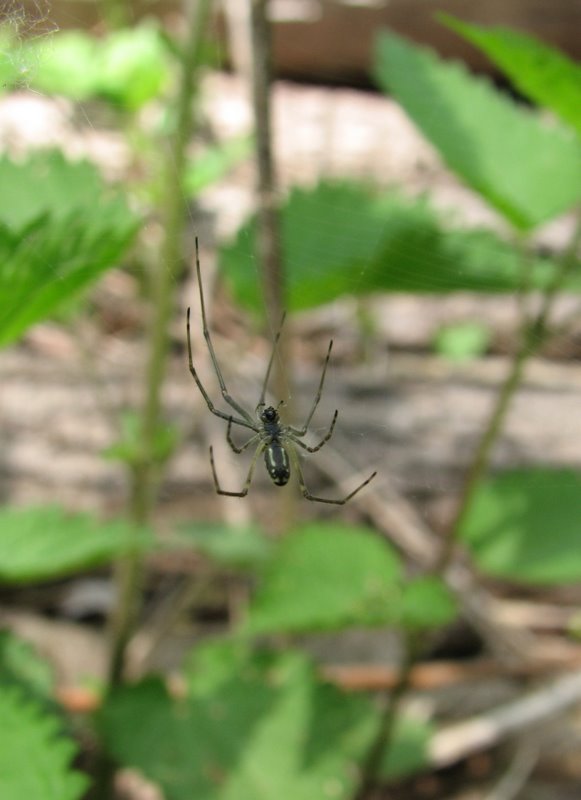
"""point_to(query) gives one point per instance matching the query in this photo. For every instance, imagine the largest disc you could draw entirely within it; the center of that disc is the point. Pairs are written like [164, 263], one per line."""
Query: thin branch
[534, 333]
[268, 229]
[145, 472]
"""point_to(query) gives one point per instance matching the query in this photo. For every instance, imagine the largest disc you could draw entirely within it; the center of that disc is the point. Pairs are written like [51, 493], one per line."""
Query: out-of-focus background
[425, 180]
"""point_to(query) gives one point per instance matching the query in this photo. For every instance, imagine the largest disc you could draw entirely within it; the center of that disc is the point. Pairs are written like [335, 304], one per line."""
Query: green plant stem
[533, 335]
[145, 472]
[384, 738]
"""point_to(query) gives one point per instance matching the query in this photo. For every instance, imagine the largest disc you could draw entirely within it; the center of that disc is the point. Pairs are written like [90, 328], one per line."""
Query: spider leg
[244, 491]
[308, 496]
[303, 430]
[231, 442]
[271, 362]
[227, 397]
[323, 441]
[205, 394]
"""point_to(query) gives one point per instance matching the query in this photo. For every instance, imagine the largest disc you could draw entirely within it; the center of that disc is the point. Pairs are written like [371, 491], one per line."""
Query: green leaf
[325, 577]
[407, 753]
[427, 603]
[129, 67]
[45, 542]
[263, 727]
[67, 65]
[229, 546]
[35, 756]
[215, 163]
[525, 525]
[330, 235]
[68, 187]
[528, 170]
[55, 242]
[539, 71]
[21, 667]
[133, 66]
[343, 239]
[329, 576]
[462, 340]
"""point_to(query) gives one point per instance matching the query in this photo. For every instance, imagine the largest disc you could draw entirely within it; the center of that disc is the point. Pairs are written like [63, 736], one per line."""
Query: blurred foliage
[252, 724]
[129, 446]
[22, 667]
[35, 756]
[44, 542]
[245, 548]
[255, 723]
[329, 576]
[524, 525]
[540, 72]
[214, 163]
[60, 229]
[342, 238]
[128, 67]
[460, 341]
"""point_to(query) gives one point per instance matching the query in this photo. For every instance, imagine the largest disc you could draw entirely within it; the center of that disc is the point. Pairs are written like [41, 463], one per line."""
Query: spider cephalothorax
[269, 416]
[278, 442]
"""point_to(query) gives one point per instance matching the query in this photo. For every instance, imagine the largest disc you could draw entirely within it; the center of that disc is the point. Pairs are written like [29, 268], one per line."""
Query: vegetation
[257, 719]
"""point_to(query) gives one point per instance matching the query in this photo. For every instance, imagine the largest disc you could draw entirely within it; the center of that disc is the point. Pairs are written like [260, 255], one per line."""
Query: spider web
[405, 411]
[20, 24]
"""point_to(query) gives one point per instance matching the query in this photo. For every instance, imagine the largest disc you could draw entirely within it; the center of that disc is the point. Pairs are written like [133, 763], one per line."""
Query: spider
[272, 437]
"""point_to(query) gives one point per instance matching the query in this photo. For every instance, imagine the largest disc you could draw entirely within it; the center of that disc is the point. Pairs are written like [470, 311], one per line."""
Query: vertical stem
[534, 334]
[384, 737]
[145, 472]
[268, 217]
[269, 242]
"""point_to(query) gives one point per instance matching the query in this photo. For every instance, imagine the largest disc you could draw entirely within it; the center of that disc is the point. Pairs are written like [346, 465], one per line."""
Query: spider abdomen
[277, 463]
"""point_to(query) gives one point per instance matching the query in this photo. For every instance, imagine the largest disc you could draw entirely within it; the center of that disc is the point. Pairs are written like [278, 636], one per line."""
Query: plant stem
[268, 230]
[145, 472]
[384, 737]
[269, 242]
[533, 335]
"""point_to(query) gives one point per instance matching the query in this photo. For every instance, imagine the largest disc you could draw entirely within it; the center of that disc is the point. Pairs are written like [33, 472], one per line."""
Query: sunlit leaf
[133, 66]
[66, 64]
[529, 170]
[539, 71]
